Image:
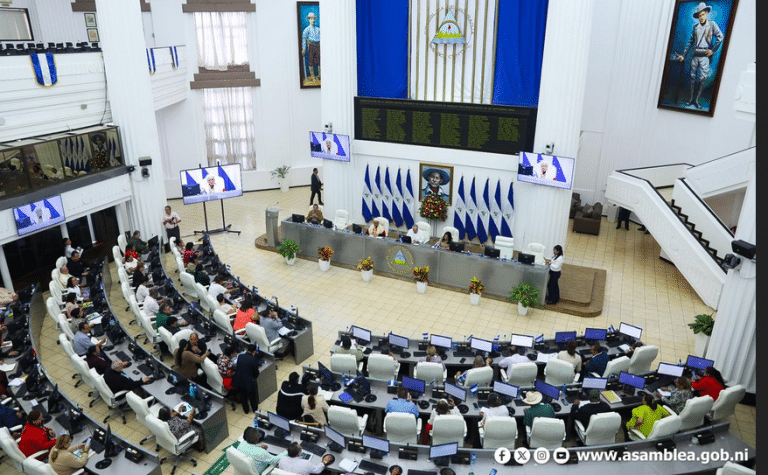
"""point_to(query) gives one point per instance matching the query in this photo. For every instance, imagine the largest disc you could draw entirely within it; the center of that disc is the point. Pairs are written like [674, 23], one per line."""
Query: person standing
[245, 378]
[705, 40]
[171, 222]
[623, 215]
[555, 266]
[316, 186]
[310, 46]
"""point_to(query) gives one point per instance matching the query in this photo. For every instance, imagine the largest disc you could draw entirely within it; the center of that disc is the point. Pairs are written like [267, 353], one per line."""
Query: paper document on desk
[663, 393]
[347, 465]
[95, 341]
[283, 331]
[326, 394]
[624, 347]
[544, 357]
[7, 367]
[96, 320]
[611, 396]
[16, 382]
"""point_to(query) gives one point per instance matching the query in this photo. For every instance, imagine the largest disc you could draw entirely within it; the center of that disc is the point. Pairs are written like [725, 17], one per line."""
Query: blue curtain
[519, 50]
[382, 48]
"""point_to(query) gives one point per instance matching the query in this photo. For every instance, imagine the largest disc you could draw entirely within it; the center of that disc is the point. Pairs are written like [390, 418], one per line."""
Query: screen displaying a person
[545, 171]
[434, 181]
[211, 184]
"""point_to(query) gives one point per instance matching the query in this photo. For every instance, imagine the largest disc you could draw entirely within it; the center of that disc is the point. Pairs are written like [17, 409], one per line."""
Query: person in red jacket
[711, 384]
[35, 436]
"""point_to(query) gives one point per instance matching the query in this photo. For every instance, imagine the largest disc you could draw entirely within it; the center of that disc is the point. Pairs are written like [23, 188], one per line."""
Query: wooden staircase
[697, 234]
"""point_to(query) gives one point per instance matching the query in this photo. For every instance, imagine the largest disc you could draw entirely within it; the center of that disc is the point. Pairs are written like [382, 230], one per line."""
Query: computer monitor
[594, 383]
[524, 258]
[406, 239]
[565, 337]
[336, 438]
[440, 341]
[456, 246]
[524, 341]
[547, 389]
[456, 392]
[481, 345]
[694, 362]
[325, 372]
[54, 400]
[631, 380]
[595, 334]
[327, 223]
[283, 424]
[297, 218]
[630, 330]
[443, 450]
[399, 341]
[360, 333]
[379, 447]
[413, 384]
[668, 369]
[490, 251]
[506, 389]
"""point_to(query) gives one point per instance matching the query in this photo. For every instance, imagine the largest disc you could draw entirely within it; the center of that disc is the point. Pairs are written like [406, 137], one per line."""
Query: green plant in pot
[288, 249]
[703, 324]
[526, 296]
[281, 172]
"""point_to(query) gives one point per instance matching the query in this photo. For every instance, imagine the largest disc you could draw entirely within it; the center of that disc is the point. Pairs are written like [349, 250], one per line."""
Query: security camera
[329, 128]
[731, 261]
[549, 148]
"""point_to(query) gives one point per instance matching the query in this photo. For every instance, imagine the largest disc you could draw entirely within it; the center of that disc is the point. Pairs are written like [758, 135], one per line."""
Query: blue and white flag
[611, 329]
[494, 221]
[376, 194]
[539, 339]
[469, 218]
[507, 212]
[228, 185]
[151, 61]
[386, 197]
[397, 201]
[408, 201]
[460, 211]
[425, 335]
[473, 389]
[482, 213]
[45, 69]
[174, 57]
[54, 214]
[367, 196]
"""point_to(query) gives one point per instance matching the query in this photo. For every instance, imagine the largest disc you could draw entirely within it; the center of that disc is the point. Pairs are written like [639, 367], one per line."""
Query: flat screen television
[329, 146]
[549, 170]
[39, 215]
[211, 183]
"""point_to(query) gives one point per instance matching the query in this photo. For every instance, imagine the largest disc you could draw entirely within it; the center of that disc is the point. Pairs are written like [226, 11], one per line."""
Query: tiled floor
[641, 290]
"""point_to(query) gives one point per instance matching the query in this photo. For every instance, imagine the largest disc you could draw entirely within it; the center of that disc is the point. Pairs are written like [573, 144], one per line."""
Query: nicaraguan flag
[408, 201]
[367, 196]
[611, 329]
[469, 219]
[174, 57]
[205, 173]
[397, 201]
[228, 185]
[494, 222]
[507, 212]
[526, 162]
[190, 180]
[54, 214]
[22, 215]
[377, 193]
[539, 339]
[151, 61]
[386, 197]
[482, 213]
[45, 69]
[459, 211]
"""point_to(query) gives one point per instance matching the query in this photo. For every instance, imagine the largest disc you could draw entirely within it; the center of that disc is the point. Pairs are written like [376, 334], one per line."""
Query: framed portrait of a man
[698, 43]
[436, 179]
[308, 16]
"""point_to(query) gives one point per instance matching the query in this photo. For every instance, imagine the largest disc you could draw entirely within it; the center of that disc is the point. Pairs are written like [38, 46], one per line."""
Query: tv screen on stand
[211, 183]
[39, 215]
[549, 170]
[329, 146]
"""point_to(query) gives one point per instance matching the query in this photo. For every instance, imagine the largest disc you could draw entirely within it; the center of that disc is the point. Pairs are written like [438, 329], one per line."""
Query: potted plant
[526, 296]
[365, 266]
[288, 249]
[476, 288]
[281, 173]
[324, 255]
[421, 276]
[702, 327]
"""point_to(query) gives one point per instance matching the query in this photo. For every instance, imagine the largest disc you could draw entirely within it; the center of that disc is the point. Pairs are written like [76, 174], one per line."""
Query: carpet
[221, 464]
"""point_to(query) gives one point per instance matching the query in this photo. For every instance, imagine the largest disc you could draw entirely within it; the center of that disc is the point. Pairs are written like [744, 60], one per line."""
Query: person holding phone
[63, 458]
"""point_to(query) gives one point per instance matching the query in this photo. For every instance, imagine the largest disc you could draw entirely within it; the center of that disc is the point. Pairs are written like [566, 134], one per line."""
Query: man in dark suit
[117, 381]
[244, 380]
[594, 406]
[316, 187]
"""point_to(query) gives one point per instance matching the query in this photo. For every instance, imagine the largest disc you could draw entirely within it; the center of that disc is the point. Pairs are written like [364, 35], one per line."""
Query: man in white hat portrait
[705, 40]
[310, 46]
[537, 409]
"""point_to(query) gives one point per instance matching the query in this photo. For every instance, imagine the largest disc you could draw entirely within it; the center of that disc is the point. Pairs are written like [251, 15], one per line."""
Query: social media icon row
[522, 455]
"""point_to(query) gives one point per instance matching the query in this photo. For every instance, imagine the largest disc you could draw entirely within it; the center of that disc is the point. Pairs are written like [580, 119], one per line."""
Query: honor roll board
[485, 128]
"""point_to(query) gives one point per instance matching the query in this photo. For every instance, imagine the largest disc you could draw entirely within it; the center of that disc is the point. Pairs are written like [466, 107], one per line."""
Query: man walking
[317, 185]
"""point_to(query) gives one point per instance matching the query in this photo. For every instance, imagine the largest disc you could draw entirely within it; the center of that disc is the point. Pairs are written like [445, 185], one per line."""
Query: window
[228, 123]
[14, 25]
[222, 39]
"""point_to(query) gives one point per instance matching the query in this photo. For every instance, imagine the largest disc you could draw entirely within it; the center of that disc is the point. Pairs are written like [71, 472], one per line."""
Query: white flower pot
[367, 275]
[324, 265]
[521, 310]
[421, 287]
[290, 262]
[284, 185]
[474, 299]
[702, 343]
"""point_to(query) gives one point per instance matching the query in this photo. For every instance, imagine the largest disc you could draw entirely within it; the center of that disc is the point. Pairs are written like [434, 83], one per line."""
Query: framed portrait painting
[308, 18]
[90, 20]
[93, 35]
[436, 179]
[698, 43]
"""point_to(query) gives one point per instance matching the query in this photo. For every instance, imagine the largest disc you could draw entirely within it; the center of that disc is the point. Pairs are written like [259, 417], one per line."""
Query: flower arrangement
[324, 253]
[476, 286]
[525, 294]
[434, 207]
[421, 274]
[100, 159]
[365, 264]
[288, 249]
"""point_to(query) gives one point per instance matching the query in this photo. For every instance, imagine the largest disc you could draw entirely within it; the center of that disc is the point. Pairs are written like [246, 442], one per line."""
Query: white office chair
[142, 408]
[209, 303]
[450, 229]
[136, 308]
[726, 402]
[225, 322]
[188, 282]
[664, 427]
[117, 255]
[731, 468]
[61, 261]
[481, 376]
[505, 246]
[66, 345]
[257, 335]
[56, 294]
[448, 428]
[115, 401]
[402, 427]
[692, 415]
[341, 220]
[151, 334]
[602, 429]
[11, 448]
[521, 374]
[546, 432]
[538, 251]
[242, 464]
[427, 371]
[122, 242]
[54, 309]
[383, 222]
[558, 372]
[345, 364]
[215, 380]
[425, 231]
[55, 274]
[174, 246]
[202, 293]
[180, 268]
[63, 324]
[165, 439]
[122, 274]
[171, 340]
[382, 367]
[614, 366]
[346, 421]
[498, 432]
[33, 466]
[642, 358]
[85, 377]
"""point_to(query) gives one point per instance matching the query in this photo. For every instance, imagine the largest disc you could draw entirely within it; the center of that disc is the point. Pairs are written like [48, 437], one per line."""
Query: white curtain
[222, 39]
[229, 130]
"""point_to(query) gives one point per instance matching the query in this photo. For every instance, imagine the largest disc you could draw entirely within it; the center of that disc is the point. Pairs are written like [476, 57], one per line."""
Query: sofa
[588, 219]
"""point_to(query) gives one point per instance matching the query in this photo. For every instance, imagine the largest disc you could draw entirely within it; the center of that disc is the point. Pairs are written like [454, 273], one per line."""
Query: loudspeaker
[743, 248]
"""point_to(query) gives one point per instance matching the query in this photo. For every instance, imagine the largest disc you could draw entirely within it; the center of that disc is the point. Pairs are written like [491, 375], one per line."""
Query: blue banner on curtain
[382, 48]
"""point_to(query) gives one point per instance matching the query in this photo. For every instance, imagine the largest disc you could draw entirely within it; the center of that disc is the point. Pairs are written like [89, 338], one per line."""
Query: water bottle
[562, 391]
[192, 389]
[679, 362]
[472, 459]
[256, 421]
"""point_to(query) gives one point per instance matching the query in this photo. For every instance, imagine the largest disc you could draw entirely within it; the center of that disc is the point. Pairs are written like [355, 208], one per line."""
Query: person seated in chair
[414, 234]
[597, 363]
[643, 417]
[201, 277]
[584, 412]
[514, 358]
[224, 306]
[290, 396]
[680, 393]
[10, 418]
[117, 381]
[445, 241]
[297, 465]
[140, 245]
[478, 362]
[97, 360]
[402, 403]
[218, 286]
[315, 216]
[260, 458]
[376, 229]
[36, 437]
[180, 425]
[346, 349]
[537, 409]
[315, 406]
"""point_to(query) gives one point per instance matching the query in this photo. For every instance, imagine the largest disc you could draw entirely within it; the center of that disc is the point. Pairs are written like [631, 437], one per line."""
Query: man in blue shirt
[82, 340]
[260, 458]
[402, 403]
[598, 362]
[310, 45]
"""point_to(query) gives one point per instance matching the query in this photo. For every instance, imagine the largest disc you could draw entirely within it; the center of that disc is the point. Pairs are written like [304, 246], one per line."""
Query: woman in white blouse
[555, 265]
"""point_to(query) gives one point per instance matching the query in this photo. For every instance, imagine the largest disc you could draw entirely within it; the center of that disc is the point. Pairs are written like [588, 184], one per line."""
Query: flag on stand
[408, 201]
[397, 201]
[367, 196]
[460, 211]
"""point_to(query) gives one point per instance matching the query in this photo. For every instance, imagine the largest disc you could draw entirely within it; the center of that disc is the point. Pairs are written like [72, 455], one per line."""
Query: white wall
[727, 206]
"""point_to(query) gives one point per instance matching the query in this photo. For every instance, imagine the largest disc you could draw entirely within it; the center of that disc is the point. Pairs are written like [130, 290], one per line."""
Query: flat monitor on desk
[594, 383]
[524, 258]
[631, 381]
[694, 362]
[283, 425]
[406, 239]
[414, 385]
[490, 251]
[456, 392]
[379, 447]
[456, 246]
[505, 389]
[522, 341]
[595, 334]
[547, 390]
[630, 331]
[398, 341]
[668, 369]
[441, 454]
[360, 334]
[297, 218]
[441, 341]
[337, 439]
[481, 345]
[565, 337]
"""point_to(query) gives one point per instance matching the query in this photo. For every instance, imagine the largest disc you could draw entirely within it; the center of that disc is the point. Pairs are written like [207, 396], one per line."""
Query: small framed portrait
[93, 35]
[308, 17]
[90, 20]
[436, 179]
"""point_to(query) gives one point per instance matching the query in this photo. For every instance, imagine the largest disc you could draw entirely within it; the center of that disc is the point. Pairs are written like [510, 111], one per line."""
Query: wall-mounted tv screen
[547, 170]
[38, 215]
[211, 183]
[330, 146]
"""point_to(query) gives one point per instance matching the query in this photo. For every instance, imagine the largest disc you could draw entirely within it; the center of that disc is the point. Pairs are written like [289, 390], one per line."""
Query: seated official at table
[537, 409]
[346, 349]
[197, 346]
[10, 418]
[162, 318]
[117, 381]
[82, 339]
[260, 458]
[376, 229]
[97, 360]
[315, 216]
[140, 245]
[187, 362]
[314, 406]
[189, 252]
[494, 409]
[679, 394]
[217, 287]
[201, 277]
[643, 417]
[294, 464]
[414, 234]
[152, 303]
[710, 385]
[290, 396]
[245, 314]
[384, 350]
[402, 403]
[36, 437]
[598, 362]
[432, 356]
[180, 425]
[223, 305]
[584, 412]
[478, 362]
[570, 355]
[513, 358]
[130, 262]
[62, 459]
[445, 241]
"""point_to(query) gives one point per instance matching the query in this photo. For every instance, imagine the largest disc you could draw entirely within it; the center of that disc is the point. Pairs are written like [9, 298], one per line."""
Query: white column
[130, 98]
[732, 346]
[90, 228]
[64, 230]
[120, 213]
[542, 212]
[4, 270]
